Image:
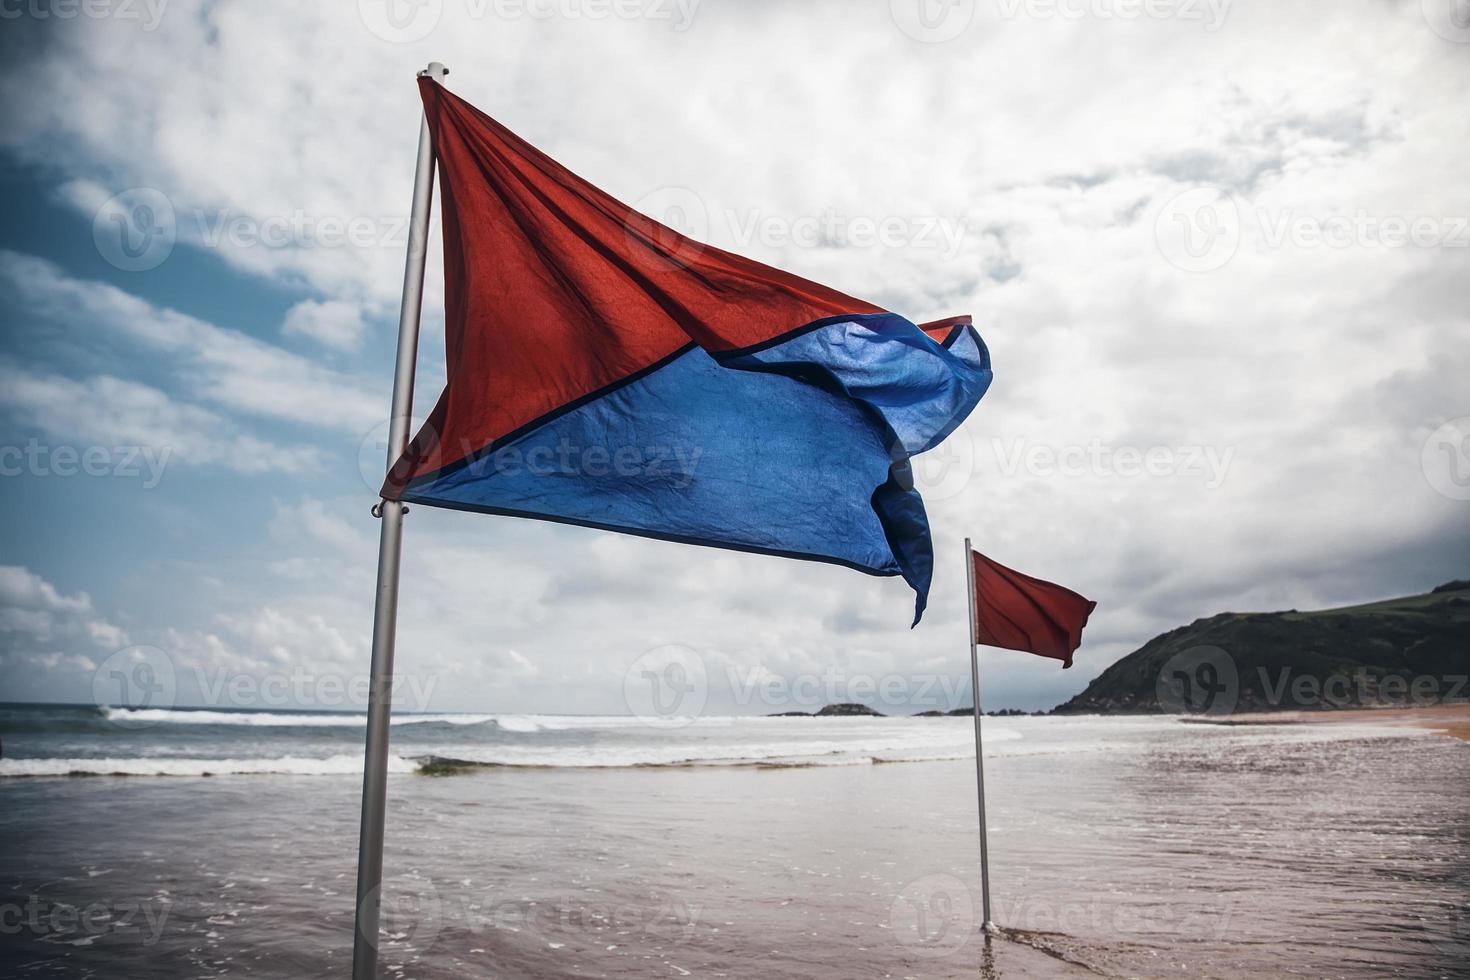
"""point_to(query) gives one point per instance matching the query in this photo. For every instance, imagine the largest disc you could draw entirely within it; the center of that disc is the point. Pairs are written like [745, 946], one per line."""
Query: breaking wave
[140, 717]
[335, 765]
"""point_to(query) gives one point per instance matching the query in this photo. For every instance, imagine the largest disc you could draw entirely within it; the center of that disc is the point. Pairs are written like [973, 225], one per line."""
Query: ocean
[223, 843]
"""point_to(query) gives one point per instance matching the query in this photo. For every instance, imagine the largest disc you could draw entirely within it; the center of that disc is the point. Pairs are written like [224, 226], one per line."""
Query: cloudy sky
[1219, 251]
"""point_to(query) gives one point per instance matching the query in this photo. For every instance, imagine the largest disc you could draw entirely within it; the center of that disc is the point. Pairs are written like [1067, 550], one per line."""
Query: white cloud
[1056, 143]
[130, 430]
[214, 364]
[333, 323]
[48, 639]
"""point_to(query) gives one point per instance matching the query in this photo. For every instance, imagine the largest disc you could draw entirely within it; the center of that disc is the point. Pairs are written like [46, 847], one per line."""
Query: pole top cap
[436, 69]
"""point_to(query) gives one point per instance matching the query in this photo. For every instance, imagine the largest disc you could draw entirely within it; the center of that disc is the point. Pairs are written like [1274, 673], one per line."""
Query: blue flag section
[606, 372]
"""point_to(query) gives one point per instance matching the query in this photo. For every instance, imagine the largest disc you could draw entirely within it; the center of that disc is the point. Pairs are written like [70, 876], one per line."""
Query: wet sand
[1446, 719]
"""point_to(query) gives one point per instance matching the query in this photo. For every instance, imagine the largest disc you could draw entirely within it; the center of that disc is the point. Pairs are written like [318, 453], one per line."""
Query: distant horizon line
[244, 709]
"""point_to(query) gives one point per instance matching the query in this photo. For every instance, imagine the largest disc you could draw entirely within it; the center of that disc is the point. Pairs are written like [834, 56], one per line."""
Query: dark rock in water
[790, 714]
[437, 766]
[930, 714]
[1002, 713]
[1396, 653]
[848, 709]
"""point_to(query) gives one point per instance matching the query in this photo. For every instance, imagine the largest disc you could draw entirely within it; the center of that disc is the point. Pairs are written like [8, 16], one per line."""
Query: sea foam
[335, 765]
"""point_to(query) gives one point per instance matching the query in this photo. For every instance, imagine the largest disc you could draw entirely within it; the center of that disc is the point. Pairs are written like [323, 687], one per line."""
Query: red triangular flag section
[1017, 612]
[605, 371]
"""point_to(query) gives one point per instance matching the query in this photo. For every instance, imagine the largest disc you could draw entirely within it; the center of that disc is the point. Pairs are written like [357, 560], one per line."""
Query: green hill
[1408, 651]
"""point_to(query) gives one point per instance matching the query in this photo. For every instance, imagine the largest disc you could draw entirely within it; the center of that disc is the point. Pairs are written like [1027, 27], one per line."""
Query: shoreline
[1445, 719]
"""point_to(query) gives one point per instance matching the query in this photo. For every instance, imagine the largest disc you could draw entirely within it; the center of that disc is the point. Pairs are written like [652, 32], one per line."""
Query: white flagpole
[390, 542]
[987, 923]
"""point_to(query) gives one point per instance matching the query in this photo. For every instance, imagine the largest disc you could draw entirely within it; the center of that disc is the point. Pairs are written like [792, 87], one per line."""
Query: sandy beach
[1447, 719]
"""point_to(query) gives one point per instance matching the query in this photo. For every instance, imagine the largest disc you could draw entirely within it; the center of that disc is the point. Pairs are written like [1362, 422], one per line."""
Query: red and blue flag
[606, 371]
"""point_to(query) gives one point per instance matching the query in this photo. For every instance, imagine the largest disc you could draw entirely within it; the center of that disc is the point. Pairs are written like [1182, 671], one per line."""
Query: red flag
[1018, 612]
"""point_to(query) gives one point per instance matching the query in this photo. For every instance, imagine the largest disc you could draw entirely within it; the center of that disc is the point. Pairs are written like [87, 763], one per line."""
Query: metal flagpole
[986, 921]
[390, 542]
